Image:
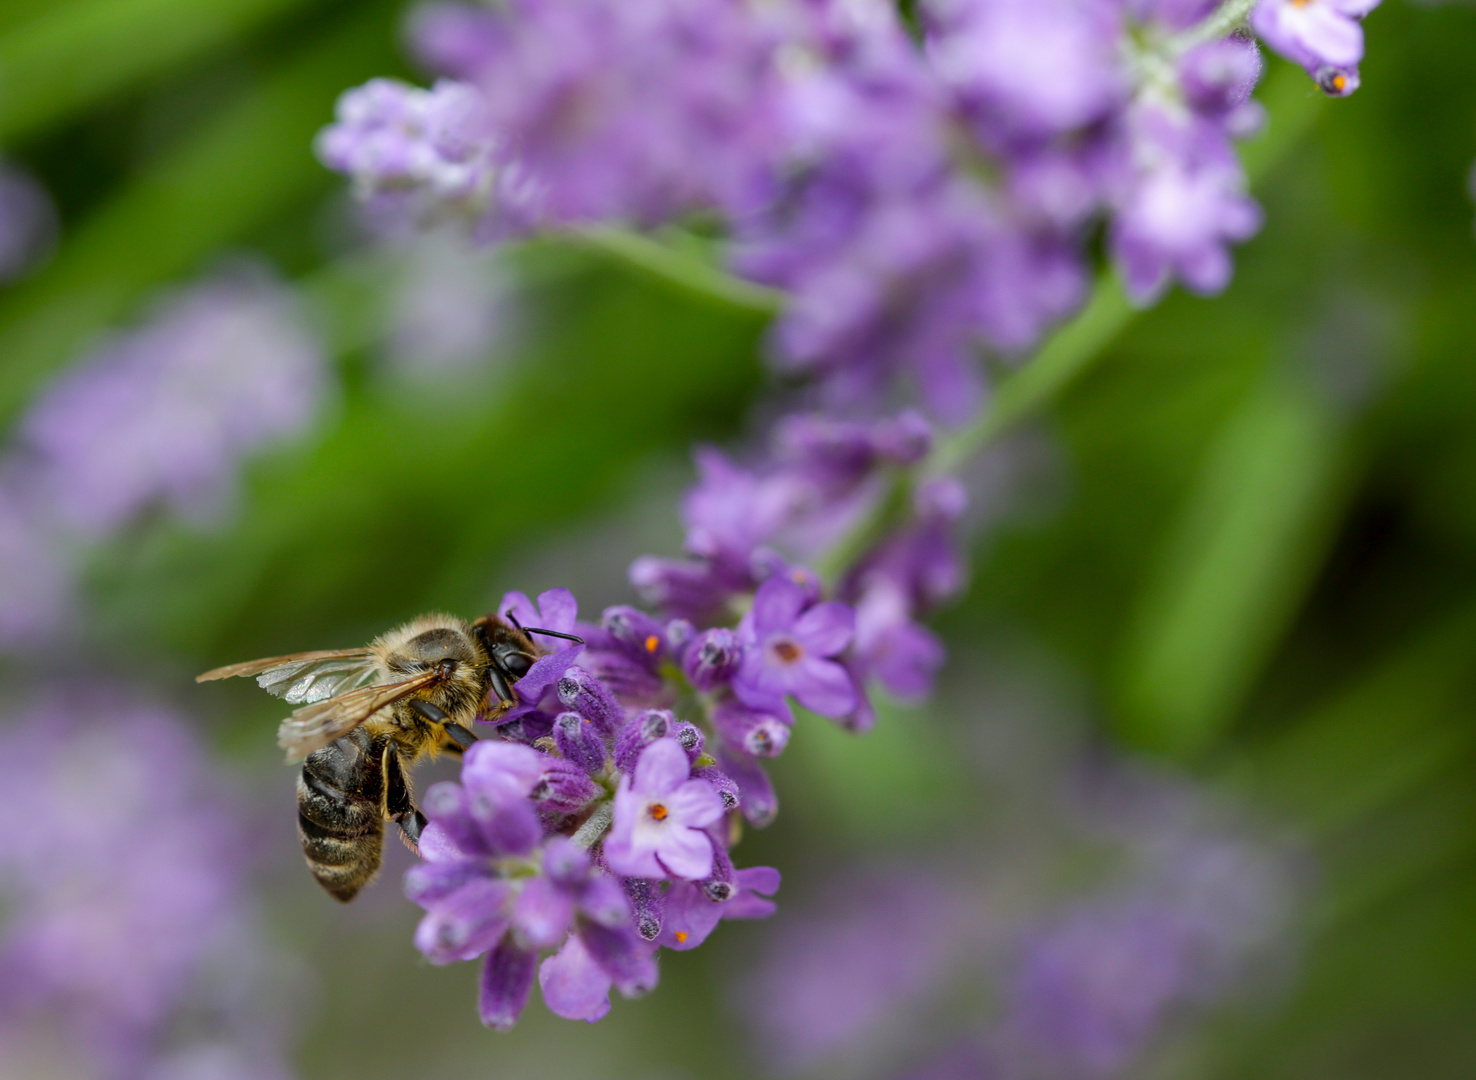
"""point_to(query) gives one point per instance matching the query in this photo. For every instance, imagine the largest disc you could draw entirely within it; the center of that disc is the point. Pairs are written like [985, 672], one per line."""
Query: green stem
[686, 270]
[594, 826]
[1222, 21]
[1077, 343]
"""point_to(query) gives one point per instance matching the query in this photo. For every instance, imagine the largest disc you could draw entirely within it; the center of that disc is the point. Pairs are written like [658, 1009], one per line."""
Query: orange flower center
[680, 935]
[652, 643]
[658, 811]
[788, 651]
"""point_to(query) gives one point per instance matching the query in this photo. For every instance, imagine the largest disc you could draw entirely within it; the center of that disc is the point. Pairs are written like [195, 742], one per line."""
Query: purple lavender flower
[493, 884]
[624, 112]
[660, 815]
[126, 916]
[537, 691]
[1182, 202]
[412, 149]
[789, 650]
[1029, 68]
[1324, 36]
[164, 413]
[691, 914]
[871, 945]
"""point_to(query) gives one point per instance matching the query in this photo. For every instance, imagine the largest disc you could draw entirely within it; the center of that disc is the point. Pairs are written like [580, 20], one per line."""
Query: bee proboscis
[367, 715]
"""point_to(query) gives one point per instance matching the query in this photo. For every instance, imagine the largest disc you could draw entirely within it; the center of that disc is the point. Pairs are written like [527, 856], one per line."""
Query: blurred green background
[1242, 543]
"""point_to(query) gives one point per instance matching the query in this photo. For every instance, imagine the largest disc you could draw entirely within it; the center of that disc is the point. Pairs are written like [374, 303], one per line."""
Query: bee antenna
[552, 633]
[540, 630]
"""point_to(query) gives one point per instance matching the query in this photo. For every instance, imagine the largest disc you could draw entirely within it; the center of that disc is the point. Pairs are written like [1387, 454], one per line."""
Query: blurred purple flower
[122, 892]
[1182, 203]
[164, 413]
[840, 968]
[788, 651]
[413, 149]
[1029, 69]
[1097, 986]
[1318, 34]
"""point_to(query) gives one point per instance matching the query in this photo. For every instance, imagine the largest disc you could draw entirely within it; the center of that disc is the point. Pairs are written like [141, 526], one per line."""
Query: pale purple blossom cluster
[1199, 908]
[752, 530]
[127, 949]
[917, 192]
[157, 417]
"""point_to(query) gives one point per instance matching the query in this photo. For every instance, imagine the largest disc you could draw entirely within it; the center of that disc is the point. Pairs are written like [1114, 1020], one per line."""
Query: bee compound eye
[517, 663]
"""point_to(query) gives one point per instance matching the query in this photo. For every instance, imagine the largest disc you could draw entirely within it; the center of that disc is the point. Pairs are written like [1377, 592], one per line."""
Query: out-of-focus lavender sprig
[128, 947]
[913, 200]
[1196, 907]
[913, 191]
[157, 416]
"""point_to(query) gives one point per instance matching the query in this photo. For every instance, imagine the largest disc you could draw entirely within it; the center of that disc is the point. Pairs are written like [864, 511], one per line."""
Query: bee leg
[460, 735]
[505, 696]
[433, 713]
[399, 803]
[410, 829]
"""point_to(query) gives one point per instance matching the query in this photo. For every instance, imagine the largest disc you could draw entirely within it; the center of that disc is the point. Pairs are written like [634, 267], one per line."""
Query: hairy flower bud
[581, 691]
[722, 783]
[712, 658]
[579, 742]
[640, 733]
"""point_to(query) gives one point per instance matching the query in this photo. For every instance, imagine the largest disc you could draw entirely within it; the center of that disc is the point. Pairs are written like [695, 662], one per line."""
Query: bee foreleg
[500, 688]
[431, 712]
[460, 735]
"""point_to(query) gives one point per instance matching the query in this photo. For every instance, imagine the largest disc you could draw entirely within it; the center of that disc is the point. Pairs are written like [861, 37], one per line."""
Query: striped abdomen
[341, 812]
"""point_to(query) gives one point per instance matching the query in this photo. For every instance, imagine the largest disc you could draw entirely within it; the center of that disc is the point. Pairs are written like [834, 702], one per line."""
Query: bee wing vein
[316, 725]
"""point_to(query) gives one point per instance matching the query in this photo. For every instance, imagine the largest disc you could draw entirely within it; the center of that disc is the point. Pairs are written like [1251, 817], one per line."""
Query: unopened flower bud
[648, 904]
[718, 886]
[564, 787]
[640, 733]
[643, 637]
[1337, 81]
[712, 658]
[760, 804]
[722, 783]
[581, 691]
[755, 732]
[692, 740]
[579, 742]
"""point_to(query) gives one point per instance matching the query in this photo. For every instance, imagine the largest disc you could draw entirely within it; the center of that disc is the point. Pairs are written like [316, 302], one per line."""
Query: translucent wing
[313, 727]
[303, 678]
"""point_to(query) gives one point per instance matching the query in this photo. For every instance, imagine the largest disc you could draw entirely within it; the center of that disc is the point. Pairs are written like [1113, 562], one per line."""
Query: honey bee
[367, 715]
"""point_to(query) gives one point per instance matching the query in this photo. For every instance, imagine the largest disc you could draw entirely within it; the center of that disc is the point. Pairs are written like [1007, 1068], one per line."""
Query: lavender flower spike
[660, 813]
[1324, 36]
